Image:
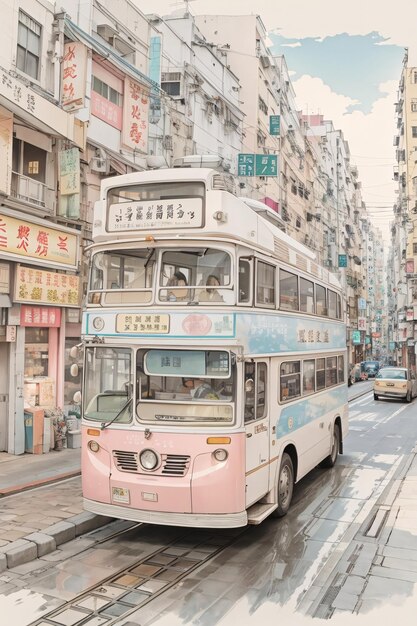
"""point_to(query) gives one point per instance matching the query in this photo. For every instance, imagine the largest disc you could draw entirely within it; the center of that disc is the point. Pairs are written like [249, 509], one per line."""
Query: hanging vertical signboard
[135, 116]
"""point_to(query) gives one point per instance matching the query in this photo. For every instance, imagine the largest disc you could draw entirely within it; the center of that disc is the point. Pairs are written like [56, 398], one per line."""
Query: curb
[10, 491]
[38, 544]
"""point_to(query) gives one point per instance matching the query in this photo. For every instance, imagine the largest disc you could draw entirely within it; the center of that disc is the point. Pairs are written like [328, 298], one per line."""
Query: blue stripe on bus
[299, 414]
[261, 333]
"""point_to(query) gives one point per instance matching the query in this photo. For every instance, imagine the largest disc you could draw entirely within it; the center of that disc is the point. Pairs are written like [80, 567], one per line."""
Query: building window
[171, 83]
[414, 248]
[106, 91]
[414, 106]
[414, 132]
[28, 45]
[414, 77]
[262, 105]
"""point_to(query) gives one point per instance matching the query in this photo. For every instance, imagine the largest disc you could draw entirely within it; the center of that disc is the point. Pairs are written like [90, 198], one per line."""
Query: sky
[345, 60]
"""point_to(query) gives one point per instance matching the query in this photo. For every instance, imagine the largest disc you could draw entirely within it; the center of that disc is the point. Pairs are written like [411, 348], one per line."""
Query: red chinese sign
[135, 116]
[40, 316]
[73, 75]
[106, 110]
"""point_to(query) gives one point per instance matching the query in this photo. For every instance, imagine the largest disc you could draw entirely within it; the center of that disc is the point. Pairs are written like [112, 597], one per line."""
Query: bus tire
[285, 486]
[330, 460]
[376, 397]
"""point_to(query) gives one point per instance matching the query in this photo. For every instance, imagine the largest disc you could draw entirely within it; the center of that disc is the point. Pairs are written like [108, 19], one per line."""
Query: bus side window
[321, 305]
[244, 285]
[290, 383]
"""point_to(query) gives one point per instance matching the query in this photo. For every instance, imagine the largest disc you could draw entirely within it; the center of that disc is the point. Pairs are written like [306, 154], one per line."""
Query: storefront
[43, 288]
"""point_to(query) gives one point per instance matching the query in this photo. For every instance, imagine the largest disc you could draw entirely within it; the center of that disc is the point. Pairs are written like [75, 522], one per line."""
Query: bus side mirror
[74, 370]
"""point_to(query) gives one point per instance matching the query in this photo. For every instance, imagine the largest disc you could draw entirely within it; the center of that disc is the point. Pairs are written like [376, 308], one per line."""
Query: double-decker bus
[215, 355]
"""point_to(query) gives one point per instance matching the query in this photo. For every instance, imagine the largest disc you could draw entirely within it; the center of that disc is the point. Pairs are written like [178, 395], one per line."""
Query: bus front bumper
[224, 520]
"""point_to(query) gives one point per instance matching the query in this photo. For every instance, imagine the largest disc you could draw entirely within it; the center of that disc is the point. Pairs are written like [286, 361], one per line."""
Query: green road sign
[342, 260]
[246, 165]
[266, 165]
[274, 125]
[356, 337]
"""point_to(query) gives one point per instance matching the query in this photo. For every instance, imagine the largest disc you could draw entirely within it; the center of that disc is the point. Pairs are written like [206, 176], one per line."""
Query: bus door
[256, 414]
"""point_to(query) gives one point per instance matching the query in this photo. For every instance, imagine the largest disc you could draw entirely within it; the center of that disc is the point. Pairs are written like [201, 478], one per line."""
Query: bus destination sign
[150, 214]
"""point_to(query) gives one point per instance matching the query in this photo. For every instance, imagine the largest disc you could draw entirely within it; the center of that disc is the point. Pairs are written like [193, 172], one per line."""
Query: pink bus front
[161, 440]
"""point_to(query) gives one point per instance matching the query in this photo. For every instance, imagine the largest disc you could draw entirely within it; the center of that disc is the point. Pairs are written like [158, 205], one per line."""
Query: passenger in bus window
[210, 293]
[177, 280]
[200, 389]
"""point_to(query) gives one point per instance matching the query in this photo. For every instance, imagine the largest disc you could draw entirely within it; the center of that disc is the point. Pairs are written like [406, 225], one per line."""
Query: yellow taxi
[395, 382]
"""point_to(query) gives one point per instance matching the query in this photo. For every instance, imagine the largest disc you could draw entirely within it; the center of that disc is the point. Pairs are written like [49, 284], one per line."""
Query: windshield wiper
[124, 407]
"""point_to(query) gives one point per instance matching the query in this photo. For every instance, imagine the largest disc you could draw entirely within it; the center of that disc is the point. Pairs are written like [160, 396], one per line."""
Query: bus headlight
[148, 459]
[93, 445]
[220, 454]
[98, 323]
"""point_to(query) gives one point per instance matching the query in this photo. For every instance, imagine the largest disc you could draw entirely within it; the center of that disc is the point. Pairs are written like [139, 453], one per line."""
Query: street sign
[274, 125]
[246, 165]
[266, 165]
[342, 260]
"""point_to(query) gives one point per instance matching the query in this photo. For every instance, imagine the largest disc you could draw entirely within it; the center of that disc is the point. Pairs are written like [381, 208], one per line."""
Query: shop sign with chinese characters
[40, 316]
[184, 213]
[51, 288]
[135, 116]
[19, 238]
[362, 323]
[39, 107]
[74, 65]
[143, 324]
[69, 171]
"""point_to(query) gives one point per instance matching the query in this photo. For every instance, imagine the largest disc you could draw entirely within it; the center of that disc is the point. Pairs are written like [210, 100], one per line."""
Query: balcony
[33, 192]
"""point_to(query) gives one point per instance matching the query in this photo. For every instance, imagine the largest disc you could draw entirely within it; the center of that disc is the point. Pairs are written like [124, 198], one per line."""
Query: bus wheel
[330, 460]
[285, 486]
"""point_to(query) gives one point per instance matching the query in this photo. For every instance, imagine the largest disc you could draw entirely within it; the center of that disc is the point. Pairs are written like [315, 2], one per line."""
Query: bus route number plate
[120, 494]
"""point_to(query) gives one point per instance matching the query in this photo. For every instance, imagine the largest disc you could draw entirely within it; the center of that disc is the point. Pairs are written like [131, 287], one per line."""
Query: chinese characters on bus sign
[184, 213]
[35, 241]
[146, 323]
[135, 116]
[257, 165]
[73, 75]
[313, 336]
[34, 285]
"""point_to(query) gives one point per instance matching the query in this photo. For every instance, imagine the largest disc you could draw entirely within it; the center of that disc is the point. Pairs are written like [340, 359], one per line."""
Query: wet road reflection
[150, 573]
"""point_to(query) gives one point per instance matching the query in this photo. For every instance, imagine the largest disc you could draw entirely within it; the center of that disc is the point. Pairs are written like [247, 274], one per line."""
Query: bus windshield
[108, 384]
[169, 380]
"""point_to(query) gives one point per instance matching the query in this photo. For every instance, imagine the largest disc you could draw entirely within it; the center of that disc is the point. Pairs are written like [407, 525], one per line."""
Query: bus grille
[175, 465]
[172, 464]
[126, 461]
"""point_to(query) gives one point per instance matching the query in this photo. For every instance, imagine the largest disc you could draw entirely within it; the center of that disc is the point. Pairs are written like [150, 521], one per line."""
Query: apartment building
[404, 226]
[40, 287]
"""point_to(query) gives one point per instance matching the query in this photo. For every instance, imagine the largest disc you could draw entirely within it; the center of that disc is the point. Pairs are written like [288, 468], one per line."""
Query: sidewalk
[34, 522]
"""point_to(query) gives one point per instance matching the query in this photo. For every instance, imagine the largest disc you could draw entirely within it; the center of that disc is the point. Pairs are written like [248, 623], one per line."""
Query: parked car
[370, 367]
[395, 382]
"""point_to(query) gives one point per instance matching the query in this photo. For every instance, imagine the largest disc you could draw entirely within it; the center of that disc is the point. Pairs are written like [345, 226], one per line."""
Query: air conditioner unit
[98, 164]
[265, 61]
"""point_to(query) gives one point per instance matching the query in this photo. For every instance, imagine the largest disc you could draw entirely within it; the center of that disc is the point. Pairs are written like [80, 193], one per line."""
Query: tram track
[121, 594]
